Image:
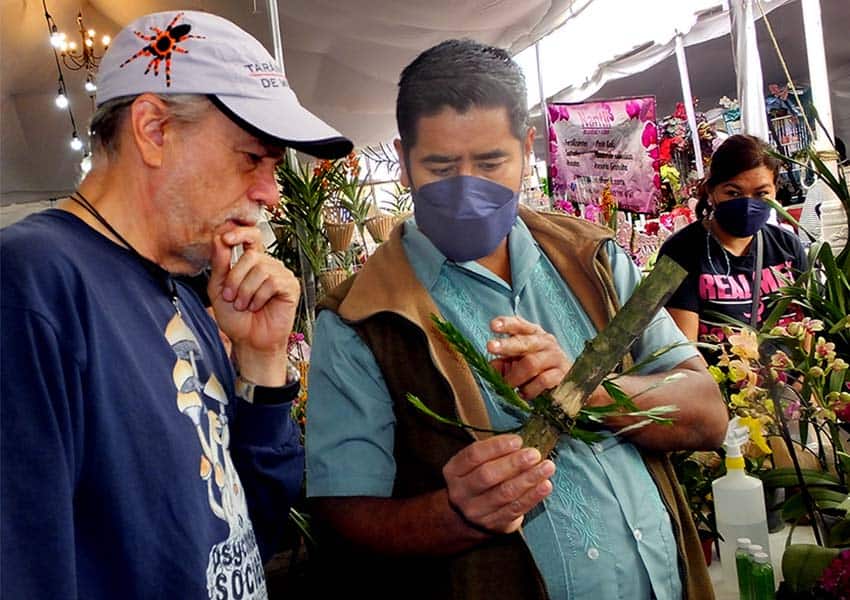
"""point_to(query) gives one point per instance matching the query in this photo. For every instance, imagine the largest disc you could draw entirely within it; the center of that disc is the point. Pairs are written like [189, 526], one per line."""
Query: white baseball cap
[191, 52]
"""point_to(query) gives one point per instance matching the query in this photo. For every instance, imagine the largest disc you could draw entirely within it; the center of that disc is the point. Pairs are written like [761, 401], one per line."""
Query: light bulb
[90, 86]
[91, 33]
[73, 45]
[76, 143]
[89, 43]
[61, 100]
[63, 46]
[106, 39]
[56, 38]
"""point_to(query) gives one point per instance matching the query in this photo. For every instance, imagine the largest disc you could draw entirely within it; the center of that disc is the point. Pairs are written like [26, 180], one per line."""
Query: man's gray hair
[107, 120]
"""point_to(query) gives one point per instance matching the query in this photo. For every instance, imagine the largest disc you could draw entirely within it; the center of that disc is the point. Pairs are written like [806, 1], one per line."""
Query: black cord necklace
[162, 276]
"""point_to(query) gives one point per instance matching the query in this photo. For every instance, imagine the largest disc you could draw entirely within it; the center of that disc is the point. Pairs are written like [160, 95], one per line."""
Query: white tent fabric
[748, 69]
[598, 49]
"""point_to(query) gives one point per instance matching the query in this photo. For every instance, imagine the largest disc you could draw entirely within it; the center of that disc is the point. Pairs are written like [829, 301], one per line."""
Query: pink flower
[558, 113]
[632, 109]
[656, 181]
[649, 135]
[592, 212]
[647, 110]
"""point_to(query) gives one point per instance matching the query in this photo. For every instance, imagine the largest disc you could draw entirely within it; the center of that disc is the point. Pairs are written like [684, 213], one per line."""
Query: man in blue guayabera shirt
[137, 462]
[414, 508]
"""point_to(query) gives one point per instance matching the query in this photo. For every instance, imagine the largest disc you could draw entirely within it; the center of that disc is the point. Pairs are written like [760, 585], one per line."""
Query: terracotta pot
[330, 279]
[380, 226]
[340, 235]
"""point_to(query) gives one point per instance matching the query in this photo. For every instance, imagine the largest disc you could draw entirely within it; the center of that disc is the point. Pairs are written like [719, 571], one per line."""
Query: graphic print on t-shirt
[731, 295]
[235, 568]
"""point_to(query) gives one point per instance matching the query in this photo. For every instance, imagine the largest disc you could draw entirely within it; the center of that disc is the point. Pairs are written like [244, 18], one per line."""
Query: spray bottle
[738, 503]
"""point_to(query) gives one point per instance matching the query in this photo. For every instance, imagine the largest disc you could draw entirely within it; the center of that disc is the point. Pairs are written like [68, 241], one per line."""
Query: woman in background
[721, 250]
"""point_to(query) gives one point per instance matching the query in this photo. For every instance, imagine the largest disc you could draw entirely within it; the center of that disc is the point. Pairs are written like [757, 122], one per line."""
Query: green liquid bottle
[763, 587]
[743, 567]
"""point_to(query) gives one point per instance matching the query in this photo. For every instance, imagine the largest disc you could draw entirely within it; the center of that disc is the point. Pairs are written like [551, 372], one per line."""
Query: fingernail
[228, 294]
[229, 237]
[530, 456]
[515, 442]
[496, 344]
[498, 324]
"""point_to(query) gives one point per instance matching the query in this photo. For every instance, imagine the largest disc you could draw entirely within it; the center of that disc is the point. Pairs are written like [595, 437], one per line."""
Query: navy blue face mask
[464, 216]
[742, 217]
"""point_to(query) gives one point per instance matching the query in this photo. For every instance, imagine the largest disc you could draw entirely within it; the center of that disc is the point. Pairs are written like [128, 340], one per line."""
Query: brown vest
[389, 308]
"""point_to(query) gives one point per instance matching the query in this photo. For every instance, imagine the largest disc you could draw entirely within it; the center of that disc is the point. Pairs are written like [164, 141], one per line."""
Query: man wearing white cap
[137, 460]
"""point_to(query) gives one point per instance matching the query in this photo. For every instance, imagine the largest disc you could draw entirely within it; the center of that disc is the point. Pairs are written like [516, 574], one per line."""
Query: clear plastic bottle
[743, 567]
[762, 586]
[738, 503]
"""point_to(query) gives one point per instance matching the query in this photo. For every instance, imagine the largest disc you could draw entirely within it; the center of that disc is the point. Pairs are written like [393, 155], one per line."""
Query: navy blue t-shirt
[129, 466]
[721, 282]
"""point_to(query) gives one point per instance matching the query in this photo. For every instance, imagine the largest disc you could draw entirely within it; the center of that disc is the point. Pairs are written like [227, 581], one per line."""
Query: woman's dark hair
[738, 153]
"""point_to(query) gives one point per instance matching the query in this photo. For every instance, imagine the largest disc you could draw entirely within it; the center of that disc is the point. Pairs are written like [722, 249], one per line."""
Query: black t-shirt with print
[721, 282]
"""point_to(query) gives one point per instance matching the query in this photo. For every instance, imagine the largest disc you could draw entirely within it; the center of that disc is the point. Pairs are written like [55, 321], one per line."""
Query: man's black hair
[460, 74]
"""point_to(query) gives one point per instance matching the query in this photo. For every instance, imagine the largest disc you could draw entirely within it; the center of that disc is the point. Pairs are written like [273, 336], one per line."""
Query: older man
[424, 510]
[138, 461]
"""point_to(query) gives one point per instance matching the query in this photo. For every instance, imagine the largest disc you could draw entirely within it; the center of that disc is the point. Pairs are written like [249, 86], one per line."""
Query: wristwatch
[261, 394]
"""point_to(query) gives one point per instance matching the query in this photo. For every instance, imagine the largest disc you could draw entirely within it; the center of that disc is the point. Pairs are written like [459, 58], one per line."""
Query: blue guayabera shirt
[603, 532]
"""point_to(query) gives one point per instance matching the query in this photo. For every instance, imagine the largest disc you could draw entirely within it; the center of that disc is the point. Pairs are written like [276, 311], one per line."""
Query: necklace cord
[157, 272]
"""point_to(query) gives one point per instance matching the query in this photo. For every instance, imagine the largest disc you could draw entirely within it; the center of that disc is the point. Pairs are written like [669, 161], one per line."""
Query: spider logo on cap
[162, 45]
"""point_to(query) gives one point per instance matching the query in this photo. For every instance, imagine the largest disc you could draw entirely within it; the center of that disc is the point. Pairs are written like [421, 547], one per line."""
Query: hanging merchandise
[607, 143]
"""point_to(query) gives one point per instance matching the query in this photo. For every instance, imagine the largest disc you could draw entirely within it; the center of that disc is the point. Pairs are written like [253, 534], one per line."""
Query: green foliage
[304, 192]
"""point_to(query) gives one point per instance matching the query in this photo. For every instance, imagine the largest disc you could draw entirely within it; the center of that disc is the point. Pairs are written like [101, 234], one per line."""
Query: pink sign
[609, 142]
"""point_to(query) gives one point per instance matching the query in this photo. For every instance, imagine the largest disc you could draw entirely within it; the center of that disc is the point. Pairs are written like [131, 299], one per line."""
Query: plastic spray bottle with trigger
[738, 503]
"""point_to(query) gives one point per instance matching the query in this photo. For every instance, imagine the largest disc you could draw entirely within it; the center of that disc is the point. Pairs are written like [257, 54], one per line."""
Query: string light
[59, 43]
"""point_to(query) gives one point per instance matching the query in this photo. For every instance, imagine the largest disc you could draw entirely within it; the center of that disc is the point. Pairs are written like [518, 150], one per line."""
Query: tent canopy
[343, 58]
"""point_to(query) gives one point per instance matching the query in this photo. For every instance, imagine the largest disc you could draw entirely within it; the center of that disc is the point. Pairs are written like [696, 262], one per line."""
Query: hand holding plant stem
[563, 410]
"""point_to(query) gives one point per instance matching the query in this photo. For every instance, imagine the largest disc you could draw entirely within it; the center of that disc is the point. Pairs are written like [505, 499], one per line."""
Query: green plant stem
[774, 388]
[540, 432]
[602, 354]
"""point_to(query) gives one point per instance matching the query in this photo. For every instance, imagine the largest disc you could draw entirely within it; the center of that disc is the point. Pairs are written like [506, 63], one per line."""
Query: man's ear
[148, 115]
[402, 163]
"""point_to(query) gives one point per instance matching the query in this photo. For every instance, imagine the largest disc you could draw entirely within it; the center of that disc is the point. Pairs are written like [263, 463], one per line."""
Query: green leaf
[787, 477]
[415, 401]
[479, 364]
[794, 507]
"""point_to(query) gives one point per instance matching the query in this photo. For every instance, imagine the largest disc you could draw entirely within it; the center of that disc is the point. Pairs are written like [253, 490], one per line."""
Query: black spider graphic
[162, 45]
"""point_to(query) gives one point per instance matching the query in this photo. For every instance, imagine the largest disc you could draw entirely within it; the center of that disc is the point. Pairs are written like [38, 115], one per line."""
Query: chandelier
[75, 56]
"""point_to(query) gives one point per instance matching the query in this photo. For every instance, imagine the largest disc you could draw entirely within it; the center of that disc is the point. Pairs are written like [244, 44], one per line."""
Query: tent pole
[813, 30]
[748, 72]
[308, 287]
[545, 110]
[689, 104]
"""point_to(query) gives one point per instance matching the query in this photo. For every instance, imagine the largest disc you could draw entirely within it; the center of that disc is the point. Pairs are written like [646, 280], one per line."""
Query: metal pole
[308, 278]
[813, 30]
[689, 104]
[545, 110]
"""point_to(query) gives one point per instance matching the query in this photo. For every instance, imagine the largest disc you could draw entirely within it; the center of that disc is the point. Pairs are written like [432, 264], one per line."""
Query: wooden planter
[332, 278]
[380, 226]
[340, 235]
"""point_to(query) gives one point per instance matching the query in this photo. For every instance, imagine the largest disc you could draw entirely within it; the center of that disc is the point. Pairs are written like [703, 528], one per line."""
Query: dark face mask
[742, 217]
[465, 217]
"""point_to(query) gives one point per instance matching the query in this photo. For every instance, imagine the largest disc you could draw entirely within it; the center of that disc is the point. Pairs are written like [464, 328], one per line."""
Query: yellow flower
[739, 399]
[756, 435]
[717, 374]
[745, 344]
